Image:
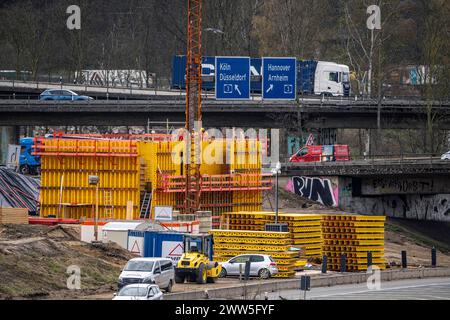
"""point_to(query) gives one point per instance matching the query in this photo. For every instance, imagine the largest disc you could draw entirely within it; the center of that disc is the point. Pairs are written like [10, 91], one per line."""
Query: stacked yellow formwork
[304, 229]
[231, 176]
[353, 236]
[66, 165]
[230, 181]
[231, 243]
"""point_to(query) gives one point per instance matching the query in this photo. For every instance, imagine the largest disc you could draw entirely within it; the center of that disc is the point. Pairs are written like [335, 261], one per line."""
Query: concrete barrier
[257, 290]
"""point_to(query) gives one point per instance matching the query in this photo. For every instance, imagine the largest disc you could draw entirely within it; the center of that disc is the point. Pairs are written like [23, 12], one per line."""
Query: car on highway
[139, 292]
[159, 271]
[446, 156]
[62, 95]
[262, 266]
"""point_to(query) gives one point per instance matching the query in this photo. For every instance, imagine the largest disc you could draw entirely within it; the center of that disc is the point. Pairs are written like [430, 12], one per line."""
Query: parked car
[159, 271]
[62, 95]
[262, 266]
[446, 156]
[139, 292]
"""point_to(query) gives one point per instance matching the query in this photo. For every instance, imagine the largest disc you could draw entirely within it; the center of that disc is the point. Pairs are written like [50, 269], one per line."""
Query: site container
[156, 244]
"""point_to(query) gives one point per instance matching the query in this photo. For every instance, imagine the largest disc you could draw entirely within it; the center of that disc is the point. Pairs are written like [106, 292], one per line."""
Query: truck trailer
[313, 77]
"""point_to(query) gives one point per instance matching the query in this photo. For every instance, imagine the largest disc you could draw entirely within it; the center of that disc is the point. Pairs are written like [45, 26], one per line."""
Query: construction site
[201, 205]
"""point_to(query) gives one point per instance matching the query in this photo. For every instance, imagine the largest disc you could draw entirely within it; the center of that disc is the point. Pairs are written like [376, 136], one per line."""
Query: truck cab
[330, 153]
[332, 79]
[29, 164]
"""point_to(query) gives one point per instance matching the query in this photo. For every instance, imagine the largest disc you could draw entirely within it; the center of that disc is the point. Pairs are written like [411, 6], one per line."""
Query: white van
[332, 79]
[159, 271]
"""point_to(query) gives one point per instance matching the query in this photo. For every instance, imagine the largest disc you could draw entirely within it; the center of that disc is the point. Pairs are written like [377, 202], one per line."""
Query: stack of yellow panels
[305, 229]
[353, 236]
[231, 243]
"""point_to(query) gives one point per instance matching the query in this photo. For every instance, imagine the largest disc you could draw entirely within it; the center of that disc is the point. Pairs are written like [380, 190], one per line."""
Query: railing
[217, 183]
[78, 148]
[147, 93]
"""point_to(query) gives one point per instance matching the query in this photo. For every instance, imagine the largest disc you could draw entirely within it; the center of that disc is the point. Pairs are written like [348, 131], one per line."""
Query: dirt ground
[34, 259]
[34, 262]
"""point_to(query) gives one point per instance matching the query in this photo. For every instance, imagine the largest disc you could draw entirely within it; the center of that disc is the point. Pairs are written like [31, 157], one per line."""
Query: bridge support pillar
[8, 135]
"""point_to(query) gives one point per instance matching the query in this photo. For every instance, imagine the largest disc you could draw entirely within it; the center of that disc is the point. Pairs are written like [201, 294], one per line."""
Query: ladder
[108, 204]
[145, 205]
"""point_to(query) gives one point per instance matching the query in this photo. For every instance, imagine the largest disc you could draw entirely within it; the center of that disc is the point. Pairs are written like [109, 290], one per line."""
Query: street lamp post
[276, 171]
[94, 181]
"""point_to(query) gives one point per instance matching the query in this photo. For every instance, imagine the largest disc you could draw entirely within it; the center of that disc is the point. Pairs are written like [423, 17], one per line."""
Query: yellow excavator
[195, 264]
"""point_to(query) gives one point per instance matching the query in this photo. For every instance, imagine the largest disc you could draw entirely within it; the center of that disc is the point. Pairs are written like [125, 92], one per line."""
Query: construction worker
[204, 135]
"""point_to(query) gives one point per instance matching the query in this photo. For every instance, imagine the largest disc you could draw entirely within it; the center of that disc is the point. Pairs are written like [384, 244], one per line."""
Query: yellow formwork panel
[308, 241]
[334, 254]
[346, 236]
[339, 230]
[214, 158]
[354, 242]
[66, 166]
[305, 234]
[247, 247]
[344, 249]
[249, 234]
[284, 275]
[284, 268]
[353, 224]
[262, 241]
[313, 253]
[345, 217]
[275, 255]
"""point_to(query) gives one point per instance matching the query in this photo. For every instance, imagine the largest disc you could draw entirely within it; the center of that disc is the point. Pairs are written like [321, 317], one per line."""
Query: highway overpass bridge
[413, 188]
[308, 113]
[376, 167]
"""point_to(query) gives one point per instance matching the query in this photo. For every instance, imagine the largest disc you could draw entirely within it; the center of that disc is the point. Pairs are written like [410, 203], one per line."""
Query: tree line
[145, 34]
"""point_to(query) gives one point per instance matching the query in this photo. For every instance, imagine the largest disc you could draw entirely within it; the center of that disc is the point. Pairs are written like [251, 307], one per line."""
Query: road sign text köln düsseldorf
[279, 78]
[232, 78]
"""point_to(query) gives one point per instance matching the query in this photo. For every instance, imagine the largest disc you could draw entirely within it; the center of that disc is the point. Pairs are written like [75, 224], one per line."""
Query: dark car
[62, 95]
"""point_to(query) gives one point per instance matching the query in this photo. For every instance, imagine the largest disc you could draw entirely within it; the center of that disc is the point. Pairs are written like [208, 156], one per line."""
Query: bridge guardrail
[155, 91]
[398, 160]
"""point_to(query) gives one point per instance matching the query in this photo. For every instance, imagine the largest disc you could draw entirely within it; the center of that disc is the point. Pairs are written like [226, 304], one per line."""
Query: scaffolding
[129, 169]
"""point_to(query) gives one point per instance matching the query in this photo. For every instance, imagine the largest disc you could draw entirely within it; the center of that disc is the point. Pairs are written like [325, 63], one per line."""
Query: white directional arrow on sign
[270, 88]
[236, 87]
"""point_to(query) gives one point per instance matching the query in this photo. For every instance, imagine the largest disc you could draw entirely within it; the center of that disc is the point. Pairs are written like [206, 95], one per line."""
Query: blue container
[208, 73]
[163, 244]
[160, 244]
[179, 73]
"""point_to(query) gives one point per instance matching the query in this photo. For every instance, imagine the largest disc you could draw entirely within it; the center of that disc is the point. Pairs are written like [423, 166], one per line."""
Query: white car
[446, 156]
[139, 292]
[159, 271]
[262, 266]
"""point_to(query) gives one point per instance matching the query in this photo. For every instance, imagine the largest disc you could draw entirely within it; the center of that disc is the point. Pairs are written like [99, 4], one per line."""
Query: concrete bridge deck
[313, 113]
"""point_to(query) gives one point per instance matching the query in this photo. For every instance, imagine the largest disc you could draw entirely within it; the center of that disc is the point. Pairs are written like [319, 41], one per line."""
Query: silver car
[139, 292]
[446, 156]
[262, 266]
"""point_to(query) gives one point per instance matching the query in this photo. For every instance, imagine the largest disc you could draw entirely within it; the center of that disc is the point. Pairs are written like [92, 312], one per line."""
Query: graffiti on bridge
[316, 189]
